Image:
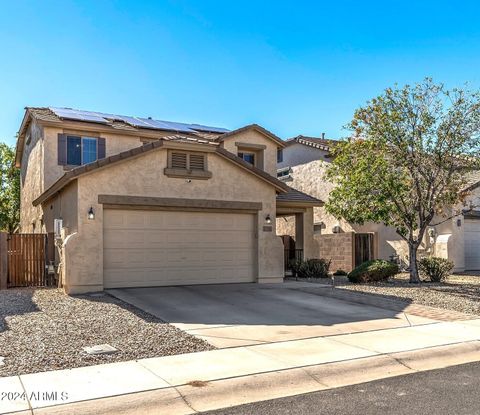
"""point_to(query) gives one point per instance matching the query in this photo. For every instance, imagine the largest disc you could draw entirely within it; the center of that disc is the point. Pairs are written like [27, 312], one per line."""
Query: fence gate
[26, 260]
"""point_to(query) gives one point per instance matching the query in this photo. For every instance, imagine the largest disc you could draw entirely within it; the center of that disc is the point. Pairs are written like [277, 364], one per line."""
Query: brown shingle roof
[293, 195]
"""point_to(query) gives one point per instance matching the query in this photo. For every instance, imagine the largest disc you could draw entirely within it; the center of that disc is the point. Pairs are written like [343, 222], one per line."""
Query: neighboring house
[303, 167]
[145, 202]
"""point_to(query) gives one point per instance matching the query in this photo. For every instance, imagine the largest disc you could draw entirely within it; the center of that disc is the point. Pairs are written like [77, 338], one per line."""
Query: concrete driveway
[249, 314]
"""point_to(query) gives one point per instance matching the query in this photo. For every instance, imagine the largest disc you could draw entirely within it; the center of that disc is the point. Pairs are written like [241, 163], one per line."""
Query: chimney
[323, 136]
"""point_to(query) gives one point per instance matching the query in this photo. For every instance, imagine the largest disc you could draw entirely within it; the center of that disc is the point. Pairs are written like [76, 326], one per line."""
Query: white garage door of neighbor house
[472, 244]
[154, 248]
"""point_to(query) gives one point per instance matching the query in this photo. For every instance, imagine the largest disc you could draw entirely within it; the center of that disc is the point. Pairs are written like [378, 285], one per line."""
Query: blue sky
[295, 67]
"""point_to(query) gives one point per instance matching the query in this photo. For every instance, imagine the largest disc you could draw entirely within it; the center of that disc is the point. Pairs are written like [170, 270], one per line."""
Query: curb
[223, 393]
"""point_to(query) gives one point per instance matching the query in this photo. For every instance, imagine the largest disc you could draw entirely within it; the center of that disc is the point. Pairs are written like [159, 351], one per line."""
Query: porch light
[268, 220]
[91, 213]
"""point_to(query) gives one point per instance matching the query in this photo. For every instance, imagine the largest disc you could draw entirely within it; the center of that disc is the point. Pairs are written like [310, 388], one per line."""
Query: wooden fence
[26, 259]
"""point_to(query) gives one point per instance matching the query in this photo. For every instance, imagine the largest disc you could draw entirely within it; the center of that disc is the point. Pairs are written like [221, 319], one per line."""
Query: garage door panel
[472, 244]
[148, 248]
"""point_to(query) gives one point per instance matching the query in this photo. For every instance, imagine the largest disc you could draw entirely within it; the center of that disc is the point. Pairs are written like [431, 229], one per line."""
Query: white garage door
[472, 244]
[153, 248]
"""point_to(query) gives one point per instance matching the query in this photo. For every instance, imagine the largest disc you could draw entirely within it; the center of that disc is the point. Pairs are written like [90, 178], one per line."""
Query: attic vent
[179, 160]
[197, 162]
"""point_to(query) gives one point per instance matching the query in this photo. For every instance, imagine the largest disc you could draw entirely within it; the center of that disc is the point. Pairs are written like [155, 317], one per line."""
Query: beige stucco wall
[296, 154]
[254, 137]
[31, 180]
[114, 144]
[63, 206]
[310, 178]
[143, 176]
[40, 168]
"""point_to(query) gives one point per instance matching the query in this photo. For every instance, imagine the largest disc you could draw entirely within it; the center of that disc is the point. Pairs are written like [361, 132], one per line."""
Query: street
[449, 391]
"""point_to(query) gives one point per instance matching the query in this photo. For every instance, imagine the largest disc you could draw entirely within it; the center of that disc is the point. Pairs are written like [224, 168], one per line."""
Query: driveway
[247, 314]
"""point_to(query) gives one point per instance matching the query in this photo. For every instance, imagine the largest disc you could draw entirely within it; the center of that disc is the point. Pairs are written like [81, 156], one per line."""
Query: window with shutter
[197, 162]
[179, 160]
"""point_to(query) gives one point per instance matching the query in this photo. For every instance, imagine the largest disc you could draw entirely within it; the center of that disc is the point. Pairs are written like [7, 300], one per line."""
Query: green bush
[295, 265]
[340, 272]
[371, 271]
[314, 268]
[437, 269]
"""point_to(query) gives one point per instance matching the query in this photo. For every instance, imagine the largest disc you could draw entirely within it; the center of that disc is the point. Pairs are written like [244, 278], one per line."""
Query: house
[135, 202]
[303, 164]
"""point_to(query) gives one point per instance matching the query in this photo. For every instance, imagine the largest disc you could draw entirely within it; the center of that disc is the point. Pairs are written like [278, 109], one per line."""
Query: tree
[408, 160]
[9, 190]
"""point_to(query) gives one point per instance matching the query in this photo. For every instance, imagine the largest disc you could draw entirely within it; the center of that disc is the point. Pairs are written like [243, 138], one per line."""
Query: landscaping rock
[44, 329]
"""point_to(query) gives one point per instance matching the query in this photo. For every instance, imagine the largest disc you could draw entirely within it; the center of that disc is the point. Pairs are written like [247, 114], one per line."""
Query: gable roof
[315, 142]
[139, 151]
[257, 128]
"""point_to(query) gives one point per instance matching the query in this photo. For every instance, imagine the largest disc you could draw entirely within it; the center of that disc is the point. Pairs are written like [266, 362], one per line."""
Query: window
[81, 150]
[279, 155]
[248, 157]
[317, 227]
[284, 174]
[75, 150]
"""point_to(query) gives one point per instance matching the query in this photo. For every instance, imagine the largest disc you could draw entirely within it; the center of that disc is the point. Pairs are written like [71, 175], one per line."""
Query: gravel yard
[459, 292]
[44, 329]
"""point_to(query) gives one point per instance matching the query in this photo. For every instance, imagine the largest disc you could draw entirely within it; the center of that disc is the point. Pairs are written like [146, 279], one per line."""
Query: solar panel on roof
[100, 117]
[208, 129]
[77, 115]
[167, 125]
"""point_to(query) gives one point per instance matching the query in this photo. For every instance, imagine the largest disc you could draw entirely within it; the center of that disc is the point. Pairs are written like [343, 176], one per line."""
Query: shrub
[340, 272]
[437, 269]
[375, 270]
[314, 268]
[295, 265]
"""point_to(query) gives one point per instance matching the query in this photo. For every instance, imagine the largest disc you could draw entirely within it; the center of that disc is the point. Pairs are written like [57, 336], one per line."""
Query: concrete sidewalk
[196, 382]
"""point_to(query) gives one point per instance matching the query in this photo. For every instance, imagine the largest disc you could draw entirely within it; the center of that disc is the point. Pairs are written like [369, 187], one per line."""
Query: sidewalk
[194, 382]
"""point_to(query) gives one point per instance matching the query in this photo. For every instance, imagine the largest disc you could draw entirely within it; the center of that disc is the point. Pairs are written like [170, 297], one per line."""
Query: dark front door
[363, 248]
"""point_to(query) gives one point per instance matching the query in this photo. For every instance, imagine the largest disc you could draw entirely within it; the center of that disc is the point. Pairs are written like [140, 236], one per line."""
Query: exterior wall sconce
[268, 220]
[459, 222]
[91, 213]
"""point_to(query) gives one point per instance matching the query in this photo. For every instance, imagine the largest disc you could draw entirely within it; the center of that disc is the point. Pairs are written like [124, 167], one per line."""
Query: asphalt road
[451, 391]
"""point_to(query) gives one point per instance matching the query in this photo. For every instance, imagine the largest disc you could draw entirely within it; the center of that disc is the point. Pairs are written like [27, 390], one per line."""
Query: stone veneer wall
[337, 247]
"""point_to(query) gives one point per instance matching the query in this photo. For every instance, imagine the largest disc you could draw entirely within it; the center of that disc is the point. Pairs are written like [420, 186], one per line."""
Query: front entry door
[363, 248]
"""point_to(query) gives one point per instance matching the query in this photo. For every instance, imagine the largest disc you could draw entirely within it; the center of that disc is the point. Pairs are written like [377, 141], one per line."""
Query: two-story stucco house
[303, 167]
[143, 202]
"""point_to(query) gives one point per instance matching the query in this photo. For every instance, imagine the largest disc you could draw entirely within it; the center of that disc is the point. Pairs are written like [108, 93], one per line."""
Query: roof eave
[296, 203]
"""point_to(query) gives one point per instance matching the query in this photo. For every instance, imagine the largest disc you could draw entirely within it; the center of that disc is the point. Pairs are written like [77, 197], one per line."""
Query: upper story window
[284, 174]
[187, 164]
[75, 150]
[248, 157]
[81, 150]
[279, 155]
